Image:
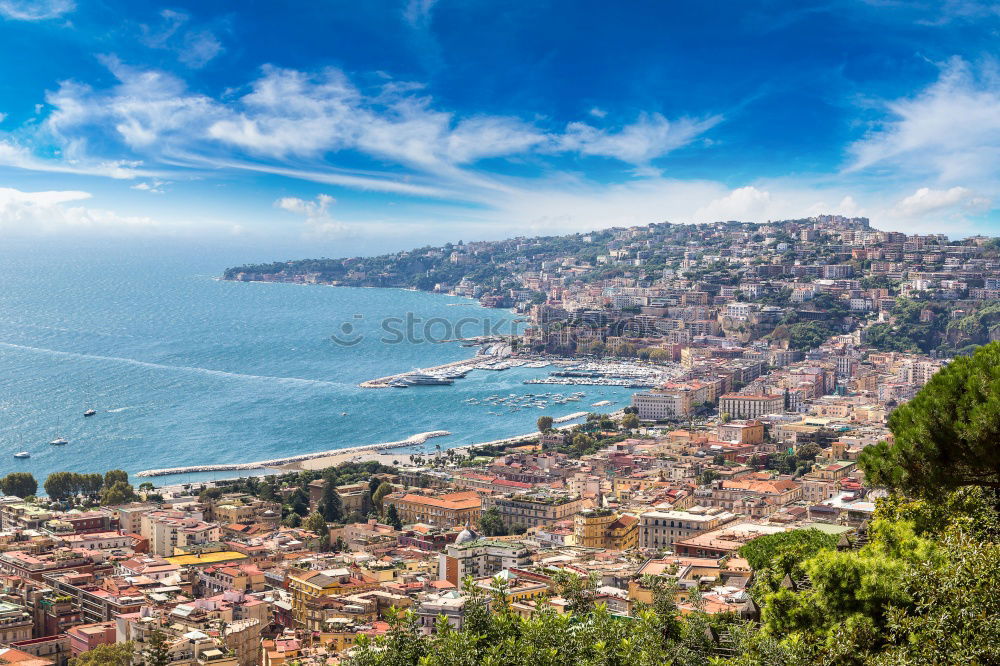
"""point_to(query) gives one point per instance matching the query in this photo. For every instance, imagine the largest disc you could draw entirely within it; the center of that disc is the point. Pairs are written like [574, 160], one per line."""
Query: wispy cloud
[651, 136]
[195, 46]
[294, 123]
[155, 186]
[35, 10]
[14, 155]
[950, 130]
[418, 12]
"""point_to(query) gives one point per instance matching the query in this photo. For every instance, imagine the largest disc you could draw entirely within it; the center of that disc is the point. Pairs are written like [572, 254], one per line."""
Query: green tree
[330, 504]
[316, 523]
[377, 498]
[392, 517]
[298, 502]
[20, 484]
[112, 654]
[118, 493]
[157, 654]
[113, 476]
[946, 437]
[544, 423]
[61, 485]
[91, 484]
[580, 592]
[630, 421]
[491, 523]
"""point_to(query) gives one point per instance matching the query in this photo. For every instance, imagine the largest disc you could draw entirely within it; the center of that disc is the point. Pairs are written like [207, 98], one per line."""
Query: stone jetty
[419, 438]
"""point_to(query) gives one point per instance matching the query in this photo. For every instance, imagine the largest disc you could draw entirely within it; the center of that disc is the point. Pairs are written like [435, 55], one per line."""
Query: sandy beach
[401, 458]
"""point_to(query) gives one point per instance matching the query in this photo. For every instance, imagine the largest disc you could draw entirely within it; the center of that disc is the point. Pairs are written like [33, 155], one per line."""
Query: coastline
[412, 440]
[394, 460]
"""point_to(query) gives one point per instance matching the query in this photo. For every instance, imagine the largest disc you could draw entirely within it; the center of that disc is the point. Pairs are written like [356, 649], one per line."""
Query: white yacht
[22, 454]
[423, 379]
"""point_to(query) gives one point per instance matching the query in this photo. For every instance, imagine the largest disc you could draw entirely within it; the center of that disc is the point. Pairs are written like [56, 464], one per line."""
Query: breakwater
[413, 440]
[383, 382]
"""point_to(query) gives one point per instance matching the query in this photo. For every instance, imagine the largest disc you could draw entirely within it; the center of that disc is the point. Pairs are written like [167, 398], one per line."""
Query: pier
[383, 382]
[413, 440]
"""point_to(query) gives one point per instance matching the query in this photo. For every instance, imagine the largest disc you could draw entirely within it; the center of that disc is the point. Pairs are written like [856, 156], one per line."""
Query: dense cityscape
[744, 508]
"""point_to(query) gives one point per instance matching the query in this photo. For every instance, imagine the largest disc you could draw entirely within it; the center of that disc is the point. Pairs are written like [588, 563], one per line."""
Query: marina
[515, 402]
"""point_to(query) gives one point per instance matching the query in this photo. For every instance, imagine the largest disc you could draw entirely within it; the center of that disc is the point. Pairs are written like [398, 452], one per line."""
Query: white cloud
[598, 112]
[147, 109]
[195, 47]
[319, 222]
[3, 117]
[418, 12]
[950, 130]
[926, 200]
[20, 157]
[35, 10]
[288, 115]
[743, 203]
[154, 186]
[200, 47]
[651, 136]
[30, 213]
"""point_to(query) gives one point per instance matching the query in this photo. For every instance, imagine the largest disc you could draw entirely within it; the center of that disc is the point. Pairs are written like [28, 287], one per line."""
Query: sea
[185, 369]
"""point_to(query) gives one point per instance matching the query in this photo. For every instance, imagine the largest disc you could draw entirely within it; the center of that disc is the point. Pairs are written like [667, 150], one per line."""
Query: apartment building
[167, 530]
[476, 557]
[532, 510]
[741, 406]
[659, 529]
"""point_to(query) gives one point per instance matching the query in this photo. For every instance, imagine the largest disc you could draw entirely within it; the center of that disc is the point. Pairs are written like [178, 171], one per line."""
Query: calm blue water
[184, 369]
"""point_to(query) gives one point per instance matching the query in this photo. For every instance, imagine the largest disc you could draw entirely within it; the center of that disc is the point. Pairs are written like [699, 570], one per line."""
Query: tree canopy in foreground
[948, 436]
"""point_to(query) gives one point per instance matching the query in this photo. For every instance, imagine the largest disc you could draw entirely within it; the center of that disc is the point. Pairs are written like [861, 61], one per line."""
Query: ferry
[22, 454]
[59, 441]
[90, 412]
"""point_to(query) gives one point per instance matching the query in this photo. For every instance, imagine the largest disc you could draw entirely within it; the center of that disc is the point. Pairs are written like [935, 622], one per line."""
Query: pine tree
[392, 517]
[157, 653]
[331, 506]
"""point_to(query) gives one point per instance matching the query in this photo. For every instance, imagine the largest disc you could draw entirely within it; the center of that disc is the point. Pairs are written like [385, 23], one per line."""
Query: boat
[399, 383]
[343, 413]
[90, 412]
[59, 441]
[22, 454]
[423, 379]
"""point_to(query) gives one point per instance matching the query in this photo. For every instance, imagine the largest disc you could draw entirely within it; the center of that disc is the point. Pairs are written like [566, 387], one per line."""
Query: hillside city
[765, 358]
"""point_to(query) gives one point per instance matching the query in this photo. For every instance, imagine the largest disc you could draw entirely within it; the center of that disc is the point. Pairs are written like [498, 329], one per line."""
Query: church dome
[466, 535]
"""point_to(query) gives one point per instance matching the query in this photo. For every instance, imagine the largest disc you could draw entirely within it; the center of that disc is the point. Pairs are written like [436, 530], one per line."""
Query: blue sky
[338, 127]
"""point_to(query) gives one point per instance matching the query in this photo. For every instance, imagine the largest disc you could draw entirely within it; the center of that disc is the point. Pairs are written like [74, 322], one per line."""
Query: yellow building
[603, 528]
[307, 586]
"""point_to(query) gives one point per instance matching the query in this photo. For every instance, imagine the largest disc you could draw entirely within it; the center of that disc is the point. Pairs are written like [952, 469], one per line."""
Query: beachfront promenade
[419, 438]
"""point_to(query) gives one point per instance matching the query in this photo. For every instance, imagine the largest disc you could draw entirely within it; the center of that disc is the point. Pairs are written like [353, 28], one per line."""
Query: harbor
[569, 372]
